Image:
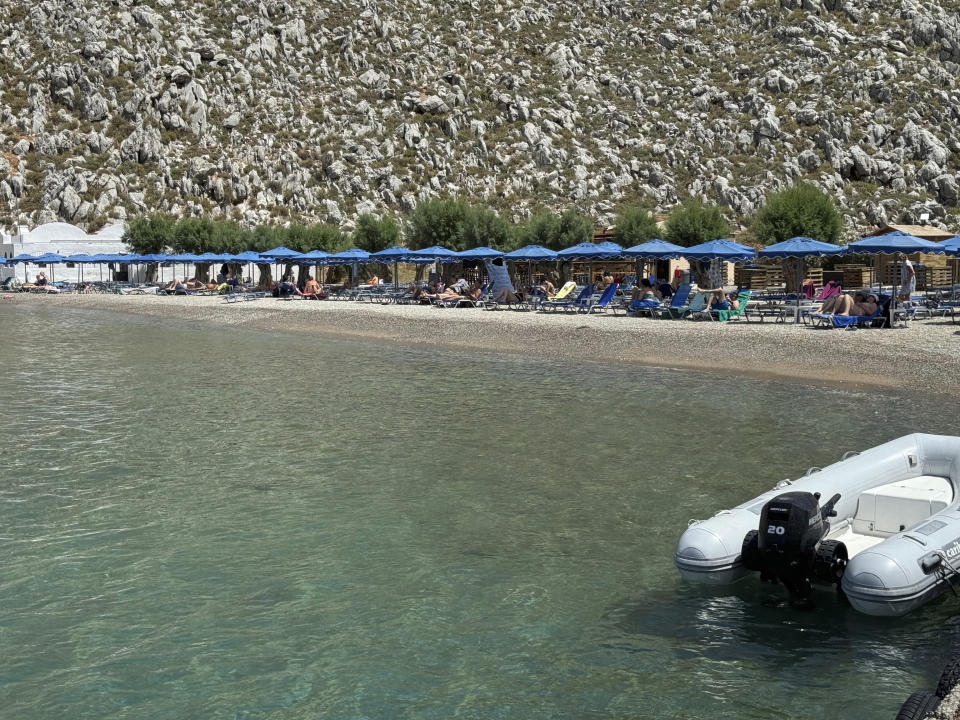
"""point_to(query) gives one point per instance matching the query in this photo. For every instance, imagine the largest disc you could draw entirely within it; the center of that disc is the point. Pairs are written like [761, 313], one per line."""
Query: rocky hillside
[265, 109]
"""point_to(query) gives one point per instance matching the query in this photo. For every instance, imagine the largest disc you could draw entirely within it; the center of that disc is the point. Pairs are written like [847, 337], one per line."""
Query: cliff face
[263, 110]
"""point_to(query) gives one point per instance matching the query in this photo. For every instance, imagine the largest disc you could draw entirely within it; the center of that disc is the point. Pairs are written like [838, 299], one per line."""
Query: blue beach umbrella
[396, 255]
[22, 258]
[723, 249]
[434, 253]
[951, 246]
[50, 259]
[799, 248]
[717, 251]
[480, 253]
[655, 250]
[316, 257]
[80, 259]
[531, 254]
[352, 257]
[589, 252]
[892, 243]
[281, 254]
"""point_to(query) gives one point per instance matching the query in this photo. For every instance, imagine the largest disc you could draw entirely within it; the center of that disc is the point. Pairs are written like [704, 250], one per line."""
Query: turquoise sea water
[208, 522]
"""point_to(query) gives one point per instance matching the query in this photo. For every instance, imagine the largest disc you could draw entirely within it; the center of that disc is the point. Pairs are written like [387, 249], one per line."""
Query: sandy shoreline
[923, 357]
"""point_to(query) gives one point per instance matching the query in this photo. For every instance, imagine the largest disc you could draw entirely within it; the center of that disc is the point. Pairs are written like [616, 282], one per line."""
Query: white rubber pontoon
[893, 546]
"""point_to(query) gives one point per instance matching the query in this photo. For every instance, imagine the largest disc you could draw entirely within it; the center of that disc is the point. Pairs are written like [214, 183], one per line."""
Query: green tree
[635, 225]
[483, 226]
[557, 231]
[694, 223]
[802, 210]
[375, 234]
[149, 234]
[437, 222]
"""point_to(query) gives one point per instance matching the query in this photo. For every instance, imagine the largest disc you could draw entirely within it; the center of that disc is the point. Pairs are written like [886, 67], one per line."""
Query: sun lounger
[697, 303]
[743, 299]
[465, 300]
[846, 321]
[593, 304]
[679, 298]
[555, 304]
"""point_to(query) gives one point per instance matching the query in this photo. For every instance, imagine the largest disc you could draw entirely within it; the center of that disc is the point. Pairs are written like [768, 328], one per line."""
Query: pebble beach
[923, 357]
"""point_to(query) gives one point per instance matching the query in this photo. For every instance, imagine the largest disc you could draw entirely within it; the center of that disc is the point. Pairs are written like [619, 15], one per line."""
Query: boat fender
[930, 563]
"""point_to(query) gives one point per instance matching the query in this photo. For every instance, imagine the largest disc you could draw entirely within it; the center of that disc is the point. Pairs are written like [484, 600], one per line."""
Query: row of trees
[458, 225]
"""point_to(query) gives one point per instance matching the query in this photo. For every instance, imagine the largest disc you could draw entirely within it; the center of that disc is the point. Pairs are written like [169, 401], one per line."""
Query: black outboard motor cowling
[789, 545]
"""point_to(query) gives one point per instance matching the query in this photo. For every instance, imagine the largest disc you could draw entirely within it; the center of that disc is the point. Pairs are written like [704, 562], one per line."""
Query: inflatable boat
[882, 526]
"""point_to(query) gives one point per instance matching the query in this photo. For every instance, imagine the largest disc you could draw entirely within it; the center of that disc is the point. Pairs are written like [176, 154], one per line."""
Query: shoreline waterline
[921, 358]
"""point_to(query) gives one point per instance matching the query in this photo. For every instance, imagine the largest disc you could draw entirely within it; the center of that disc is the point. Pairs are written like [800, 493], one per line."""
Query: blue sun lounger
[583, 297]
[599, 305]
[846, 321]
[678, 301]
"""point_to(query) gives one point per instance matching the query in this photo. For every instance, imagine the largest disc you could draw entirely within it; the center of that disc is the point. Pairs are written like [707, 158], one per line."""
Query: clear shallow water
[221, 523]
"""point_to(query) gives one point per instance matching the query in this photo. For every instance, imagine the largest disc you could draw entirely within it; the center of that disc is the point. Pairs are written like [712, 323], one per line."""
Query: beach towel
[499, 278]
[829, 290]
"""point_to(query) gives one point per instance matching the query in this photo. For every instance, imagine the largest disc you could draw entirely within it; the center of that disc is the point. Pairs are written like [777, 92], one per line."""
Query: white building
[60, 238]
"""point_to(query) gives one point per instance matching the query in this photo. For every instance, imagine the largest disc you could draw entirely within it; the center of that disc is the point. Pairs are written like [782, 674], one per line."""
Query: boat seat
[888, 509]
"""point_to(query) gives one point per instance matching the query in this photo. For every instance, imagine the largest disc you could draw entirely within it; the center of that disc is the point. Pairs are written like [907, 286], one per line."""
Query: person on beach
[645, 293]
[499, 276]
[858, 305]
[472, 292]
[373, 281]
[548, 289]
[507, 297]
[312, 289]
[908, 280]
[425, 295]
[718, 300]
[461, 285]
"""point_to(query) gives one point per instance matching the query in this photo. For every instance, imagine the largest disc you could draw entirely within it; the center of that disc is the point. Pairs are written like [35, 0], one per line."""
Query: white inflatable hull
[898, 514]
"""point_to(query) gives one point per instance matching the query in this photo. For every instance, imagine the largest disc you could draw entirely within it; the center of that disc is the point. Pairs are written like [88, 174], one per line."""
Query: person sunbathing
[718, 300]
[548, 289]
[644, 293]
[313, 290]
[427, 294]
[858, 305]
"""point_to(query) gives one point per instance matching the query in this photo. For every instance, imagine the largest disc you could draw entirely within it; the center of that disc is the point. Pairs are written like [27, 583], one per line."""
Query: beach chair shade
[532, 253]
[591, 251]
[892, 243]
[723, 249]
[480, 253]
[397, 253]
[281, 253]
[655, 250]
[433, 254]
[799, 247]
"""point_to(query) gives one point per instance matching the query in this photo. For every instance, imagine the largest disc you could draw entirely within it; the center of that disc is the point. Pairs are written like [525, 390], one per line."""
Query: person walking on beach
[908, 280]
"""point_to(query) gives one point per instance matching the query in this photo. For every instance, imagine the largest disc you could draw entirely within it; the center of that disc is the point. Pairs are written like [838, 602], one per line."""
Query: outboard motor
[789, 546]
